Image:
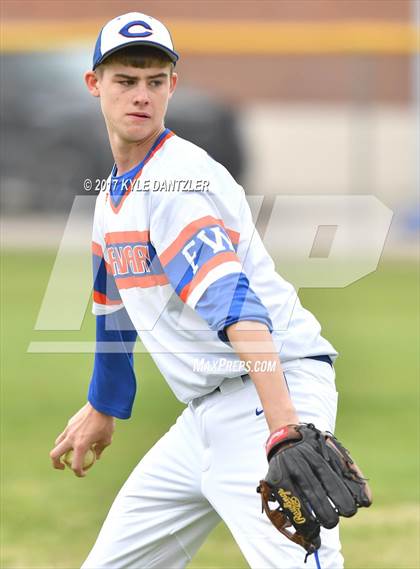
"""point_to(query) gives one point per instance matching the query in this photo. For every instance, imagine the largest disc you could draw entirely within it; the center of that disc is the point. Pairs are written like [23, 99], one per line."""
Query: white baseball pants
[206, 469]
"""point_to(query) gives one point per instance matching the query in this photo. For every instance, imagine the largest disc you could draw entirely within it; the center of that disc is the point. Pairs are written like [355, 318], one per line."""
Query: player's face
[133, 100]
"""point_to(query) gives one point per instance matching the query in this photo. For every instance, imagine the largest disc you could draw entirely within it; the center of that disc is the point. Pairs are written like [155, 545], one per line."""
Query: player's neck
[128, 154]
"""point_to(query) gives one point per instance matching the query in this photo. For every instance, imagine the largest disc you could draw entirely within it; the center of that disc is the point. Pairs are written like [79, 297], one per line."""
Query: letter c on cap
[125, 31]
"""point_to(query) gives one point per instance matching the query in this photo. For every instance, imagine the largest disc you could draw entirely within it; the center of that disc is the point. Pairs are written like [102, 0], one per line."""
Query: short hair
[141, 56]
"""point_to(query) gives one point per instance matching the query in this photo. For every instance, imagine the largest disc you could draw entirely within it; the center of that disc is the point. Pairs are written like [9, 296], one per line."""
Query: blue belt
[325, 359]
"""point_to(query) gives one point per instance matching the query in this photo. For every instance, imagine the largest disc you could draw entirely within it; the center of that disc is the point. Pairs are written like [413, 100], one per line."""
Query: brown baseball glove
[313, 480]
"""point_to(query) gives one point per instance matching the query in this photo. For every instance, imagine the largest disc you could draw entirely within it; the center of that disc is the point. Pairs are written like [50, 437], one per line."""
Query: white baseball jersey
[178, 248]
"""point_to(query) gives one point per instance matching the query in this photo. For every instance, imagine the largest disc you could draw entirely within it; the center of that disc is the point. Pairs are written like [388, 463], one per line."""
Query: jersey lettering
[220, 242]
[216, 241]
[190, 257]
[129, 259]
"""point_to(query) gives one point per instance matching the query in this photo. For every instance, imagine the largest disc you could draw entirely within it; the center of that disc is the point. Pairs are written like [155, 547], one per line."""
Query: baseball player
[177, 262]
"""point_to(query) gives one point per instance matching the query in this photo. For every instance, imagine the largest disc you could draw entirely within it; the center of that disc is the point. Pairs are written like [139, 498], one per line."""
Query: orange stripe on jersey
[191, 230]
[100, 298]
[97, 249]
[233, 235]
[204, 271]
[126, 237]
[141, 282]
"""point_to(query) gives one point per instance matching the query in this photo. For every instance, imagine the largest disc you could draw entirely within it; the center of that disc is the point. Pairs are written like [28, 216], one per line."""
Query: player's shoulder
[184, 149]
[184, 158]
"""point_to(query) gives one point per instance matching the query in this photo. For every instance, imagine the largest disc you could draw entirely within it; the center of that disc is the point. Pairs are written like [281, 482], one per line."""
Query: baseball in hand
[88, 461]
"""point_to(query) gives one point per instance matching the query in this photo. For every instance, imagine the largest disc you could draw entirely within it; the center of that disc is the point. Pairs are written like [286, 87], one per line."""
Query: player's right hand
[88, 428]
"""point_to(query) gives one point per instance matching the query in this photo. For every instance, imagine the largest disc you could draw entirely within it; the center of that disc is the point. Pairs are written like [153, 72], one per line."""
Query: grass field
[50, 518]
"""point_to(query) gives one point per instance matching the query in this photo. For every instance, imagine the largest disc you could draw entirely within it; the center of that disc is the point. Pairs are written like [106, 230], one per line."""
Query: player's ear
[173, 84]
[91, 80]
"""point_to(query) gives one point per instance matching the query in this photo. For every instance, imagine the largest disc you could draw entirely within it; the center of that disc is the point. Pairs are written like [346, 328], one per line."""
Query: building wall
[320, 58]
[308, 149]
[392, 10]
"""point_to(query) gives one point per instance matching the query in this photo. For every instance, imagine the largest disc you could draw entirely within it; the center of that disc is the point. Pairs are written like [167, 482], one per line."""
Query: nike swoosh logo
[258, 411]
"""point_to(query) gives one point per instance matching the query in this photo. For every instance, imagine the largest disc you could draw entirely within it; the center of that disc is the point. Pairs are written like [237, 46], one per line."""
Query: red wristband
[286, 433]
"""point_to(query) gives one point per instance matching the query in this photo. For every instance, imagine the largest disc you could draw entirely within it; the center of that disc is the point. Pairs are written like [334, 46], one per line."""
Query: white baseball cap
[133, 29]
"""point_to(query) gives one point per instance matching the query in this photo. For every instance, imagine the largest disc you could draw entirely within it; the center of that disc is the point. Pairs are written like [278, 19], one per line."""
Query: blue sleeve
[229, 300]
[112, 388]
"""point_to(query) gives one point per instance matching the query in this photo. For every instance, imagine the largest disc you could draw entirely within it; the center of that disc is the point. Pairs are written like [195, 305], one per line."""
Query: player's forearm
[253, 343]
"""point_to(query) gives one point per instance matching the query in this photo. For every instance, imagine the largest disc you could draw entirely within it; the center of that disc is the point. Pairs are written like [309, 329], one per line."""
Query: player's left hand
[314, 481]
